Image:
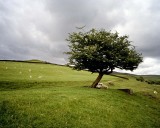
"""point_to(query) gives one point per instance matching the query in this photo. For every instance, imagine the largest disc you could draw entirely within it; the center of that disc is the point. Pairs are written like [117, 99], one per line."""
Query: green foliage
[152, 80]
[157, 82]
[140, 79]
[102, 51]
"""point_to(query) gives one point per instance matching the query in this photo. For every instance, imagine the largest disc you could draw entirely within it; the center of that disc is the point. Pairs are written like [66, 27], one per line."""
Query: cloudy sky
[37, 29]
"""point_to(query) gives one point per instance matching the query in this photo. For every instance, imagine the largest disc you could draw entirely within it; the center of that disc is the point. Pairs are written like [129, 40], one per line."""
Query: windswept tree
[101, 51]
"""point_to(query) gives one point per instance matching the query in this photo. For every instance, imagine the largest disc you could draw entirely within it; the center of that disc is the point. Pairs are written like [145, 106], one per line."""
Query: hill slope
[44, 95]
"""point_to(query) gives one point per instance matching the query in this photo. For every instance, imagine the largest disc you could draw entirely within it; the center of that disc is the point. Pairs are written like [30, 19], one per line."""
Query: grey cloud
[70, 13]
[19, 33]
[142, 26]
[38, 29]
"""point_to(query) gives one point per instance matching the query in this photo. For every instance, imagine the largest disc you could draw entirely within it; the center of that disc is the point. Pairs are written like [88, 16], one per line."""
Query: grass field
[35, 95]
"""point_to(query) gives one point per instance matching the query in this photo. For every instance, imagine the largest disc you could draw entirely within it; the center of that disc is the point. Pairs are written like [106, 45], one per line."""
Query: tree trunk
[97, 80]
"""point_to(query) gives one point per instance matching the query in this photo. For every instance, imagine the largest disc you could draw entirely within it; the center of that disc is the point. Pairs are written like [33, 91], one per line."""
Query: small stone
[155, 92]
[129, 91]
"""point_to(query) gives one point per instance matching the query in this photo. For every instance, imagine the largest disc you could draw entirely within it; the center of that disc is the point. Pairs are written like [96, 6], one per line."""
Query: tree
[101, 51]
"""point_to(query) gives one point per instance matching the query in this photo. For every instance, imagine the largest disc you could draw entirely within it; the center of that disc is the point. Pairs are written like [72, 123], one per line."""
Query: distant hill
[32, 61]
[37, 61]
[151, 77]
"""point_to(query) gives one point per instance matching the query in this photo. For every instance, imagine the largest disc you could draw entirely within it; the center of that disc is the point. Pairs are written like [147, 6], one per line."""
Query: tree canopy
[102, 51]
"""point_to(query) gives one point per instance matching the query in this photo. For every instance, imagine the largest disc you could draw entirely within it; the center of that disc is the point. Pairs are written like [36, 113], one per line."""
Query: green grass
[58, 99]
[151, 77]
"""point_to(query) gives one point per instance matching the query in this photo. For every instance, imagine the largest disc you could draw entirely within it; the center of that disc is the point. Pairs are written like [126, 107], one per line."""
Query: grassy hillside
[44, 96]
[152, 77]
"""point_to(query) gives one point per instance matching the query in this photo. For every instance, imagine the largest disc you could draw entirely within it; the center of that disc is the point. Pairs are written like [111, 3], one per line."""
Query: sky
[37, 29]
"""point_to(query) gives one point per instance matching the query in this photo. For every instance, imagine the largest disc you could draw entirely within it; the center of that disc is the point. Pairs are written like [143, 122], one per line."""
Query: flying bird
[81, 27]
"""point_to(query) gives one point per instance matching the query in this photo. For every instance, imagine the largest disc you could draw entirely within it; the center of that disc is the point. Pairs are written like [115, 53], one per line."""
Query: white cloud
[149, 66]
